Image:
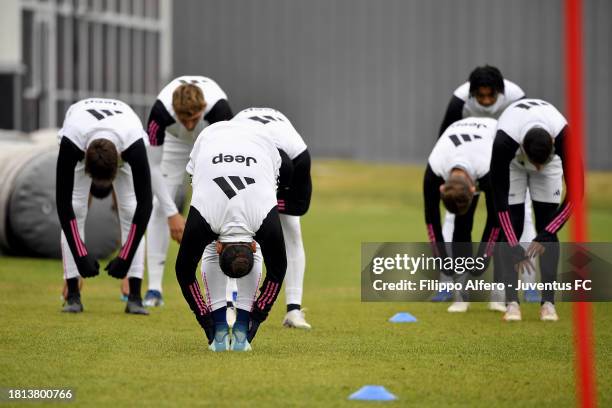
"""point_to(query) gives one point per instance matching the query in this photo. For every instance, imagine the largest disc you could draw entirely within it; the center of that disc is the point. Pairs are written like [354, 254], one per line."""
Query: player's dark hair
[236, 260]
[486, 76]
[101, 160]
[457, 195]
[538, 145]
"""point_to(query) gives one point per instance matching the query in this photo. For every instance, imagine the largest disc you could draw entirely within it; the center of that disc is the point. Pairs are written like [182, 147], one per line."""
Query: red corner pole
[583, 331]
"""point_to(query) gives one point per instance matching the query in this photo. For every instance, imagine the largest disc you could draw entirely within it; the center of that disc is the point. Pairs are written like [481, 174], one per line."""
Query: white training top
[212, 94]
[235, 168]
[97, 118]
[467, 144]
[526, 114]
[278, 126]
[512, 92]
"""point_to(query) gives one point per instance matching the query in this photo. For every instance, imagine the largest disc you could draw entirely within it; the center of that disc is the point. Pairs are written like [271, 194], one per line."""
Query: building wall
[370, 79]
[75, 49]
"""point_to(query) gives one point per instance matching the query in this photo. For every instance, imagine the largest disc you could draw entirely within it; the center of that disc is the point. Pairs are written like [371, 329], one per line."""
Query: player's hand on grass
[88, 267]
[176, 223]
[208, 324]
[118, 268]
[253, 327]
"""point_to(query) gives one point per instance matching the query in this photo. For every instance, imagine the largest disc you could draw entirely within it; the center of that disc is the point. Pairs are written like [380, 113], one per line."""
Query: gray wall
[370, 79]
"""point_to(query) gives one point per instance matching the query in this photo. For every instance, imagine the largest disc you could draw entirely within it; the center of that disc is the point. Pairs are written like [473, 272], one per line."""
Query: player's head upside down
[457, 193]
[101, 163]
[236, 258]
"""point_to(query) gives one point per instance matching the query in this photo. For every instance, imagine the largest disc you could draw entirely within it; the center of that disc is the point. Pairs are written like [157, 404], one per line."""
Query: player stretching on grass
[457, 167]
[529, 152]
[102, 149]
[234, 221]
[486, 94]
[182, 110]
[293, 202]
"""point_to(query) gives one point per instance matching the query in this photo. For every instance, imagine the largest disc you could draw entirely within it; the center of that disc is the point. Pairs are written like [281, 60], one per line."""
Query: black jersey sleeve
[196, 237]
[504, 150]
[69, 156]
[454, 112]
[296, 199]
[220, 111]
[564, 211]
[285, 173]
[159, 120]
[136, 157]
[431, 198]
[272, 244]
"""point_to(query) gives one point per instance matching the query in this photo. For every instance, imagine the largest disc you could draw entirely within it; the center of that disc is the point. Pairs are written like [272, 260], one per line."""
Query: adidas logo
[235, 181]
[557, 193]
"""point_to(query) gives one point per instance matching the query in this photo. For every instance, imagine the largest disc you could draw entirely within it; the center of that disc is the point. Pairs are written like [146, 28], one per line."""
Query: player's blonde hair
[187, 100]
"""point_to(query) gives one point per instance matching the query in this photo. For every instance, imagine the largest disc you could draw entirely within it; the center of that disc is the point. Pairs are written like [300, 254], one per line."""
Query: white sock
[158, 240]
[155, 268]
[529, 233]
[447, 233]
[296, 259]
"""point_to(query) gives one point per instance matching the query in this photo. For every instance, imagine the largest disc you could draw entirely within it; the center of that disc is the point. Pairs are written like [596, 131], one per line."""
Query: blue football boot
[442, 296]
[221, 342]
[239, 338]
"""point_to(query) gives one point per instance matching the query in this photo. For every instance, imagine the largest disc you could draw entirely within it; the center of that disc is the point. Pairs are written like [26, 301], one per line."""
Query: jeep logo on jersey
[228, 158]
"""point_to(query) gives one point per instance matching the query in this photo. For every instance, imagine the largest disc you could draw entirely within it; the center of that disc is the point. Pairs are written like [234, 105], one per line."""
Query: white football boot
[458, 307]
[513, 312]
[296, 318]
[548, 313]
[497, 306]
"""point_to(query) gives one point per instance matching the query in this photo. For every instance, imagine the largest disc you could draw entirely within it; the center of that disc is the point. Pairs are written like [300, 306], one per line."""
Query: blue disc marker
[372, 393]
[403, 317]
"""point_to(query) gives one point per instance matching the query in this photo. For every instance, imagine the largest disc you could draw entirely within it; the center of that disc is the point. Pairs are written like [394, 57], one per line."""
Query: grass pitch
[474, 359]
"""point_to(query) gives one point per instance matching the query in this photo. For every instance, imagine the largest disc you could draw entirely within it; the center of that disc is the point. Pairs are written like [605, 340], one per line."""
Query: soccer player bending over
[293, 202]
[486, 94]
[102, 148]
[182, 110]
[457, 171]
[233, 220]
[529, 153]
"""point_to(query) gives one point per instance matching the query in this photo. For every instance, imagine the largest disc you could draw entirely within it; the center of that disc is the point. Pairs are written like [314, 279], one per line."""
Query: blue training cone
[403, 317]
[372, 393]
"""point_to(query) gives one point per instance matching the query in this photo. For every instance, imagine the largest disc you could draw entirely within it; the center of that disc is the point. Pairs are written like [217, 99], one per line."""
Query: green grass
[469, 360]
